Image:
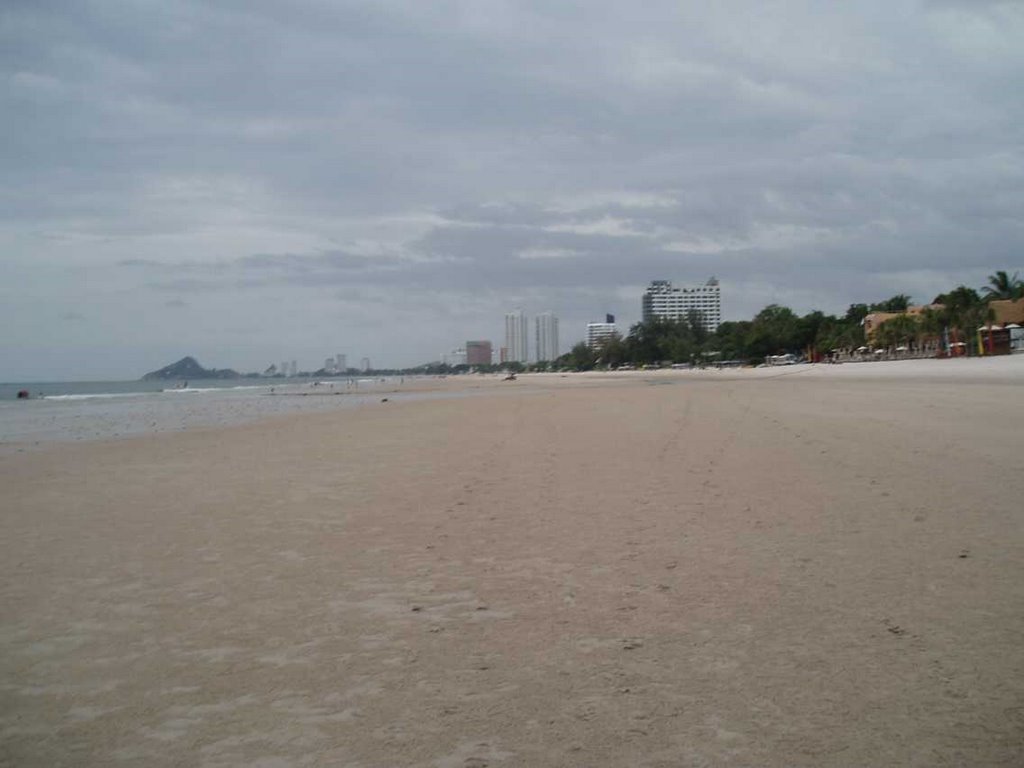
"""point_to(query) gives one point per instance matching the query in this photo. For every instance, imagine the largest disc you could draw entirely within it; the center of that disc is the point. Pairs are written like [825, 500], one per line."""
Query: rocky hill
[188, 368]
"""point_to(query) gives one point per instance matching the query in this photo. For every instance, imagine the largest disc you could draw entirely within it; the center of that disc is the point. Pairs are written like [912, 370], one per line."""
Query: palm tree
[1002, 286]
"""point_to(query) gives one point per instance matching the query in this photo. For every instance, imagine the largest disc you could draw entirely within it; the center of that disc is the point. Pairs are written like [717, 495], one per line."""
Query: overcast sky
[250, 181]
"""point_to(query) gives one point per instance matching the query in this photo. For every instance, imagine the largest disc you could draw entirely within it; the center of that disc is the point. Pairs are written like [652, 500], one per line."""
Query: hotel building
[516, 332]
[666, 301]
[546, 338]
[598, 333]
[478, 352]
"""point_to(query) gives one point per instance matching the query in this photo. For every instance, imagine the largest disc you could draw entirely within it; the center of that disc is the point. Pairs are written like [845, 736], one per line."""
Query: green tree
[611, 352]
[897, 303]
[658, 340]
[931, 323]
[963, 307]
[959, 299]
[1002, 286]
[896, 331]
[856, 313]
[775, 329]
[580, 358]
[730, 341]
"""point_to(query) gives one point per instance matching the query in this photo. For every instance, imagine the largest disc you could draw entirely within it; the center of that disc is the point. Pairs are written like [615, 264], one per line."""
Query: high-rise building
[293, 368]
[598, 333]
[516, 330]
[366, 364]
[666, 301]
[341, 362]
[478, 353]
[546, 338]
[455, 357]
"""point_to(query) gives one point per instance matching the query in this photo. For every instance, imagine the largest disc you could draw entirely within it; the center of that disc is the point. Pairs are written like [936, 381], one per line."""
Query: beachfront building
[874, 320]
[454, 358]
[1007, 311]
[598, 333]
[546, 340]
[479, 352]
[666, 301]
[516, 330]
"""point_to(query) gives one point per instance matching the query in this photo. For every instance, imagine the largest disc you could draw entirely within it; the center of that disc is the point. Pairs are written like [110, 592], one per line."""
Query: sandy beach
[808, 567]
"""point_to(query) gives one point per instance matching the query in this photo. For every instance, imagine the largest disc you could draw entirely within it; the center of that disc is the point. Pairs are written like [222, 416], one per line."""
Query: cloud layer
[254, 181]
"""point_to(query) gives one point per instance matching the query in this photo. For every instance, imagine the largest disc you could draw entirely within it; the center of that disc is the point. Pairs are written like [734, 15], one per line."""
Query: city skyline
[176, 186]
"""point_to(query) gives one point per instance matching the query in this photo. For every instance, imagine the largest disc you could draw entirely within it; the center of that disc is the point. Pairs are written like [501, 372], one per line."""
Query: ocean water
[91, 410]
[84, 390]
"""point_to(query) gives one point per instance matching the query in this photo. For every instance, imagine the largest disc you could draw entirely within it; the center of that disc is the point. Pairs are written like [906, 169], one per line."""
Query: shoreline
[131, 416]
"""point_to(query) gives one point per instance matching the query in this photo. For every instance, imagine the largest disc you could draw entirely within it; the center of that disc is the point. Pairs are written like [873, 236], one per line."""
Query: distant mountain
[188, 368]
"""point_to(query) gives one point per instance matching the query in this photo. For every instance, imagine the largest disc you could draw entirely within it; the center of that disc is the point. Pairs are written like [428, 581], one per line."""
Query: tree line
[778, 330]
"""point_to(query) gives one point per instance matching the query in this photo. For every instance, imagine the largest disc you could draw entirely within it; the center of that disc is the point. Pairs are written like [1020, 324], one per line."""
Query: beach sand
[805, 567]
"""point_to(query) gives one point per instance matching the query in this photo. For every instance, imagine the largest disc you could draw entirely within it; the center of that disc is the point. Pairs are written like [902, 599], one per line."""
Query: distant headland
[189, 368]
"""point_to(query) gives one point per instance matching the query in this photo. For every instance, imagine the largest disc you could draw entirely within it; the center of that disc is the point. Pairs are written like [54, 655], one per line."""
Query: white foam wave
[195, 390]
[96, 396]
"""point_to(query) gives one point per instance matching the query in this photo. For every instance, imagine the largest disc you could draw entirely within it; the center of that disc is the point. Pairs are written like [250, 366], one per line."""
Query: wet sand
[795, 568]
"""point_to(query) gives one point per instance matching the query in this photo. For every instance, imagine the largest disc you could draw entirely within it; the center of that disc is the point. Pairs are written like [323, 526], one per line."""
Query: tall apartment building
[598, 333]
[478, 352]
[516, 331]
[546, 337]
[666, 301]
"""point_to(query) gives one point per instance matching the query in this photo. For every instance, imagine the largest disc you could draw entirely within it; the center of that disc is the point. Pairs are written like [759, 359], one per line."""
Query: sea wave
[96, 396]
[195, 390]
[72, 396]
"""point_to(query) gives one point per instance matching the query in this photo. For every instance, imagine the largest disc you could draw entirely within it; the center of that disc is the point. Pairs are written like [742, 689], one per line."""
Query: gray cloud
[412, 170]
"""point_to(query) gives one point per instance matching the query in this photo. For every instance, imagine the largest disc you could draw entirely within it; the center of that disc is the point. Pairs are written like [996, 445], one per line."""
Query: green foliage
[775, 330]
[1002, 286]
[900, 330]
[856, 313]
[730, 340]
[897, 303]
[612, 353]
[665, 341]
[959, 299]
[579, 358]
